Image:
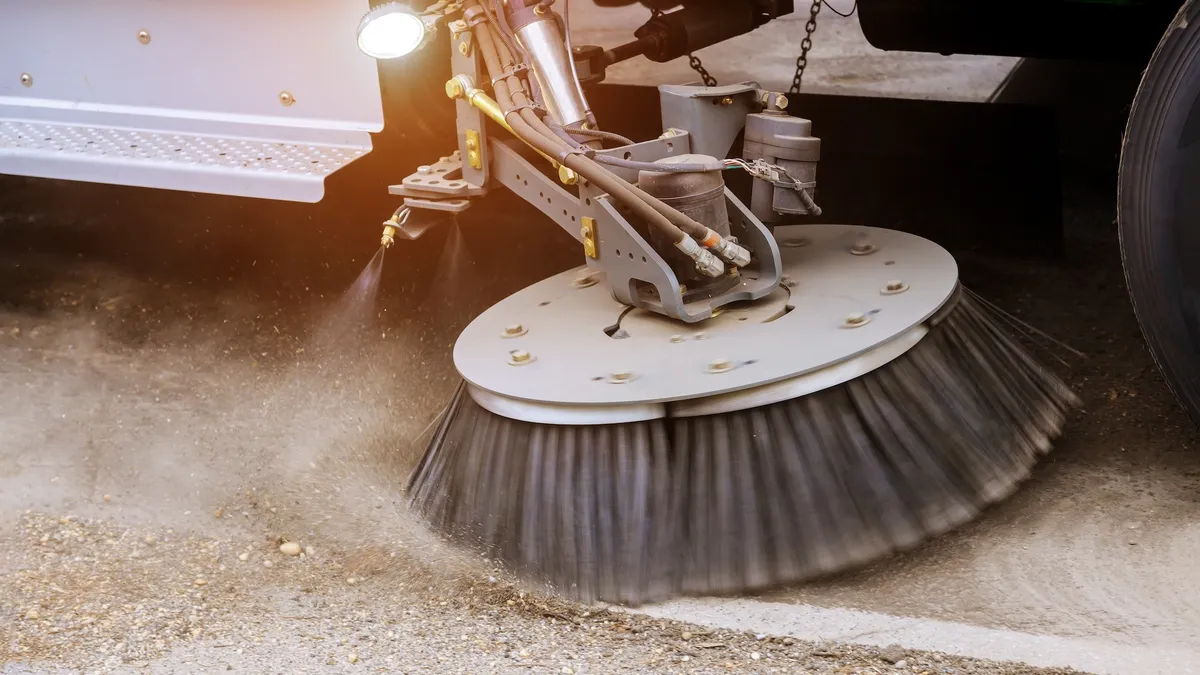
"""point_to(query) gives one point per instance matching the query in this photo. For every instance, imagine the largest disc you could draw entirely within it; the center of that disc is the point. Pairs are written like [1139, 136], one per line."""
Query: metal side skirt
[262, 99]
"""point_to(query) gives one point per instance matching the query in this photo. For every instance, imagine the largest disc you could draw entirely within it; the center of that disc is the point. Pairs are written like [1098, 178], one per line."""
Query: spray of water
[348, 320]
[455, 275]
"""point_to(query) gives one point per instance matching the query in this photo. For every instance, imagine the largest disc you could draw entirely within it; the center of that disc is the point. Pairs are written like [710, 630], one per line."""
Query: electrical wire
[847, 15]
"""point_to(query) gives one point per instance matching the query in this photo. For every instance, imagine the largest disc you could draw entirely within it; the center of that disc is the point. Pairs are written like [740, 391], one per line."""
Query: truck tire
[1158, 201]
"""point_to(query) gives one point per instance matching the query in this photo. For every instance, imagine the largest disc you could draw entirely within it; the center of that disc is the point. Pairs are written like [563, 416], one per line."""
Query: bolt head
[454, 88]
[514, 330]
[586, 278]
[855, 320]
[424, 169]
[519, 357]
[781, 101]
[143, 37]
[26, 79]
[796, 242]
[893, 287]
[464, 49]
[676, 338]
[286, 98]
[720, 366]
[620, 377]
[727, 100]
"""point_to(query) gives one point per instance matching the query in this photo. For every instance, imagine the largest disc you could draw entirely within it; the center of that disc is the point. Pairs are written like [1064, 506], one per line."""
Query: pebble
[201, 582]
[901, 663]
[352, 581]
[243, 557]
[108, 498]
[788, 642]
[33, 615]
[686, 635]
[308, 551]
[290, 548]
[755, 655]
[267, 563]
[353, 658]
[892, 653]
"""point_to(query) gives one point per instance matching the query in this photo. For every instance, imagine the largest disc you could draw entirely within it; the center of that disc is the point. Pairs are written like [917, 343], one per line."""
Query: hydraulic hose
[634, 164]
[518, 112]
[592, 133]
[700, 232]
[634, 197]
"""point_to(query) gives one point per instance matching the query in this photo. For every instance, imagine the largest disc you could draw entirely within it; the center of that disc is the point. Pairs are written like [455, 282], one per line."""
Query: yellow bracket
[589, 236]
[474, 158]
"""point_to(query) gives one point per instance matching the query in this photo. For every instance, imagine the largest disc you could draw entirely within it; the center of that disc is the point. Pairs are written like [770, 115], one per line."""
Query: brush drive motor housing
[697, 194]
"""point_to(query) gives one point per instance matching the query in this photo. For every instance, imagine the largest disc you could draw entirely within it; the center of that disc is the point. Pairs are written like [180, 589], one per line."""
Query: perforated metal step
[232, 166]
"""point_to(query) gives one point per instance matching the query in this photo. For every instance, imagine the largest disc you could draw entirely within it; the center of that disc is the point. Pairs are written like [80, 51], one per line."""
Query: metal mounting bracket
[638, 275]
[713, 115]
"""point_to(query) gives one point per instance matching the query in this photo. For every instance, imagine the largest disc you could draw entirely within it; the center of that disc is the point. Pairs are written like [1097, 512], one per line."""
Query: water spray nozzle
[389, 232]
[392, 225]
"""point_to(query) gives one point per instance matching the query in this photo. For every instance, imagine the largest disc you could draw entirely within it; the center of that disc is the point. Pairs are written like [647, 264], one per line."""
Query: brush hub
[851, 300]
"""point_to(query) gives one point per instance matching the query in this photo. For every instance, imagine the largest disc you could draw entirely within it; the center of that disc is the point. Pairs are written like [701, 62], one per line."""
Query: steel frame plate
[260, 99]
[669, 362]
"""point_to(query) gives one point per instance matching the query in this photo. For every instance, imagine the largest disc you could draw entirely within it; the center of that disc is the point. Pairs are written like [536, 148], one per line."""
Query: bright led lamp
[391, 31]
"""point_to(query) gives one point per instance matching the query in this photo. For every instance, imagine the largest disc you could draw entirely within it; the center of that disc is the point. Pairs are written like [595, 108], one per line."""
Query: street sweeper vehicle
[717, 398]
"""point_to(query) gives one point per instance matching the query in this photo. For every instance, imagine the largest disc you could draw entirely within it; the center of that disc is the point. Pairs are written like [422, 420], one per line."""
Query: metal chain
[693, 60]
[805, 45]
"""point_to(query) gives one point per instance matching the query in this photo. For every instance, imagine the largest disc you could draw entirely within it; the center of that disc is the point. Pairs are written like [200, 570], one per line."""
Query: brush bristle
[638, 512]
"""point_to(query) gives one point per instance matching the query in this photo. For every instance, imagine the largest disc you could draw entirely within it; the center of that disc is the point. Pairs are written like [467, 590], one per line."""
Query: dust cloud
[289, 418]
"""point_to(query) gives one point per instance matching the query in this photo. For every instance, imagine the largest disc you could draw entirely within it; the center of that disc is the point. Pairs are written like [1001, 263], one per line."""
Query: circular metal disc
[564, 352]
